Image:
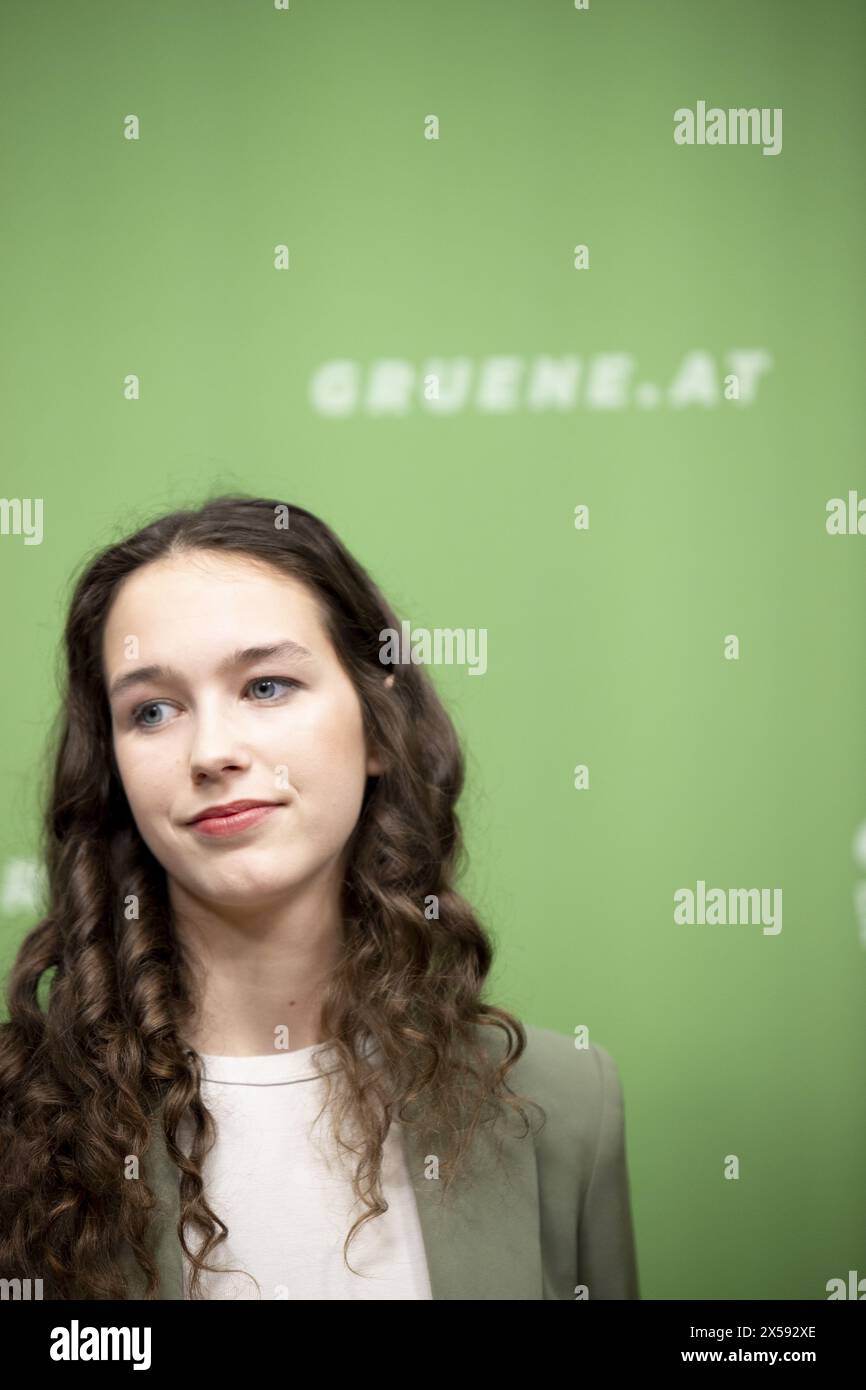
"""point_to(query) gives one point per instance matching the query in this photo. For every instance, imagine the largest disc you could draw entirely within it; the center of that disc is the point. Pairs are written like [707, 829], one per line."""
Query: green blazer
[553, 1214]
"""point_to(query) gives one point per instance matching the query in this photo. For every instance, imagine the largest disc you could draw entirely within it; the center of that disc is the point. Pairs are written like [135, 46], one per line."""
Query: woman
[262, 1038]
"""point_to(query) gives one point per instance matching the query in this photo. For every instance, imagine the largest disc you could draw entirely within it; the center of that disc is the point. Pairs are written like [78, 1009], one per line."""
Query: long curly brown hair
[90, 1068]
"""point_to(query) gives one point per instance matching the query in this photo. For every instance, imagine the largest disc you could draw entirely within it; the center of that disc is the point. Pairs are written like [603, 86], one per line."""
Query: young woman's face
[218, 727]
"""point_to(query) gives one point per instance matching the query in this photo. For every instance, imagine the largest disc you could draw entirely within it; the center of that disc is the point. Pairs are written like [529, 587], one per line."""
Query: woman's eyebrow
[244, 657]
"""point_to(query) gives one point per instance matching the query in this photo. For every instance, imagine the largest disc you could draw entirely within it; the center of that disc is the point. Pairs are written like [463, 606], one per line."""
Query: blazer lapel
[483, 1241]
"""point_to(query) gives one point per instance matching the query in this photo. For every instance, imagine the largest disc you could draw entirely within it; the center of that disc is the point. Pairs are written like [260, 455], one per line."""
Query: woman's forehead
[214, 604]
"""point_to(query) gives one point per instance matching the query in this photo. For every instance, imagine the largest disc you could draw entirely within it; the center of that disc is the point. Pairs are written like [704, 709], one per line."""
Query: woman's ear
[375, 764]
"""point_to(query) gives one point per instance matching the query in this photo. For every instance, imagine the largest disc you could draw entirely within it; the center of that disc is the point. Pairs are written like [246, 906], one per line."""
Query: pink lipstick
[217, 827]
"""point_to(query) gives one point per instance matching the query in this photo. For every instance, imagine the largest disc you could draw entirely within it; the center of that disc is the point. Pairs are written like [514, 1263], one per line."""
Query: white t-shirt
[284, 1189]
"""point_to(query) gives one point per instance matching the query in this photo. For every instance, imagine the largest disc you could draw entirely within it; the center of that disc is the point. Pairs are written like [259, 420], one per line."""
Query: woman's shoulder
[555, 1062]
[575, 1081]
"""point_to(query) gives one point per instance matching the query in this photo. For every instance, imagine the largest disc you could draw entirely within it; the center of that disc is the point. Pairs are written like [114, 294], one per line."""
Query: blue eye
[137, 714]
[271, 680]
[141, 710]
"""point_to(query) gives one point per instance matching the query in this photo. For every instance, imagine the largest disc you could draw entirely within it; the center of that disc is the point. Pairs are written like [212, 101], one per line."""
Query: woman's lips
[219, 826]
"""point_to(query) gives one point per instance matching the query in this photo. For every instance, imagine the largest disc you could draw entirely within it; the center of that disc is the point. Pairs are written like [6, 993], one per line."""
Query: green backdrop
[561, 384]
